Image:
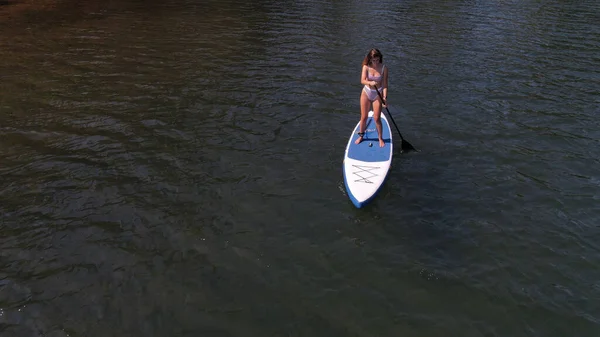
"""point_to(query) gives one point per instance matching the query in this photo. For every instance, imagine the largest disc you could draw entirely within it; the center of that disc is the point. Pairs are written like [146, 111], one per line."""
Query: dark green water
[175, 169]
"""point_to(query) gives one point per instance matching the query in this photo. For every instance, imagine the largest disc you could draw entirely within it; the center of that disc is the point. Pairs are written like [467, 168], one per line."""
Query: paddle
[405, 146]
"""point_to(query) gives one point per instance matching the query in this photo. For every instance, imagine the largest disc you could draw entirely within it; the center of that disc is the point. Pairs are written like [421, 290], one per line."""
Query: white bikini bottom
[372, 93]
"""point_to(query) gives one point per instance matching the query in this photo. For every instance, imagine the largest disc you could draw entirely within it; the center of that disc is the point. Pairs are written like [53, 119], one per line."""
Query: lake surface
[174, 168]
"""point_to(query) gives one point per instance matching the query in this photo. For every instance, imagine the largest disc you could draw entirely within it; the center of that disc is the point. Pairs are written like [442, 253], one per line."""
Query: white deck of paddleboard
[366, 165]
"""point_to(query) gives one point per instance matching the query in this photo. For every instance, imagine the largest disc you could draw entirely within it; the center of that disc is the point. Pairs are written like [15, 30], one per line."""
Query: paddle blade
[406, 147]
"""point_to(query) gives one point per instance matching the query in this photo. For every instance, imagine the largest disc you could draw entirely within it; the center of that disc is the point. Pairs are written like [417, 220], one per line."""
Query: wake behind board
[366, 165]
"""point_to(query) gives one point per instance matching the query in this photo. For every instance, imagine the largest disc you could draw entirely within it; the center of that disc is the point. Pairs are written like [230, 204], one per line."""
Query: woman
[374, 77]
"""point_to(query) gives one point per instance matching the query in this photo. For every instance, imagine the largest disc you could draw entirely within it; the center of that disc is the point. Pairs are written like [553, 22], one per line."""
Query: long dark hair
[370, 55]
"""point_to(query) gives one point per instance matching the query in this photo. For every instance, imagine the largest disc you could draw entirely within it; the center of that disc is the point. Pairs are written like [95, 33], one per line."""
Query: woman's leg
[364, 113]
[377, 118]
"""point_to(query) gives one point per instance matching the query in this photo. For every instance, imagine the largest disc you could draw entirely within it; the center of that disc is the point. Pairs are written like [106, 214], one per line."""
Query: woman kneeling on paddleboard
[374, 76]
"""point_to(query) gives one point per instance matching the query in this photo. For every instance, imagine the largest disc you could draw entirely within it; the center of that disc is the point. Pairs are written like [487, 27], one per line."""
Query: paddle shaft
[388, 111]
[404, 145]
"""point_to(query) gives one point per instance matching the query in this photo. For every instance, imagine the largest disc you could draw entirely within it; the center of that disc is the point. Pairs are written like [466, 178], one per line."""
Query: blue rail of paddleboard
[373, 153]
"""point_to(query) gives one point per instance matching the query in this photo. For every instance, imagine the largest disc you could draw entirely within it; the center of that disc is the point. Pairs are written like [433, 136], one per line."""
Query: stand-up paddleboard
[366, 165]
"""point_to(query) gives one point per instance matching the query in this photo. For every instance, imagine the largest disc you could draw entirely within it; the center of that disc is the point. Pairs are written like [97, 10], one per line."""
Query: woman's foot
[360, 138]
[381, 143]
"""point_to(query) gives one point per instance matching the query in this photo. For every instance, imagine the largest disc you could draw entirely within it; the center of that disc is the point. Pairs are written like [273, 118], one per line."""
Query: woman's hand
[373, 83]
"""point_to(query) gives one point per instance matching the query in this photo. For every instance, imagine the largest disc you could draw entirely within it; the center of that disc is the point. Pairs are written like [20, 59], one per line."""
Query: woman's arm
[363, 77]
[385, 83]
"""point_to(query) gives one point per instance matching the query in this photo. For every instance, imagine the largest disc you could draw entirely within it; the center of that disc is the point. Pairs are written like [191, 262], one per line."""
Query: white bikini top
[376, 78]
